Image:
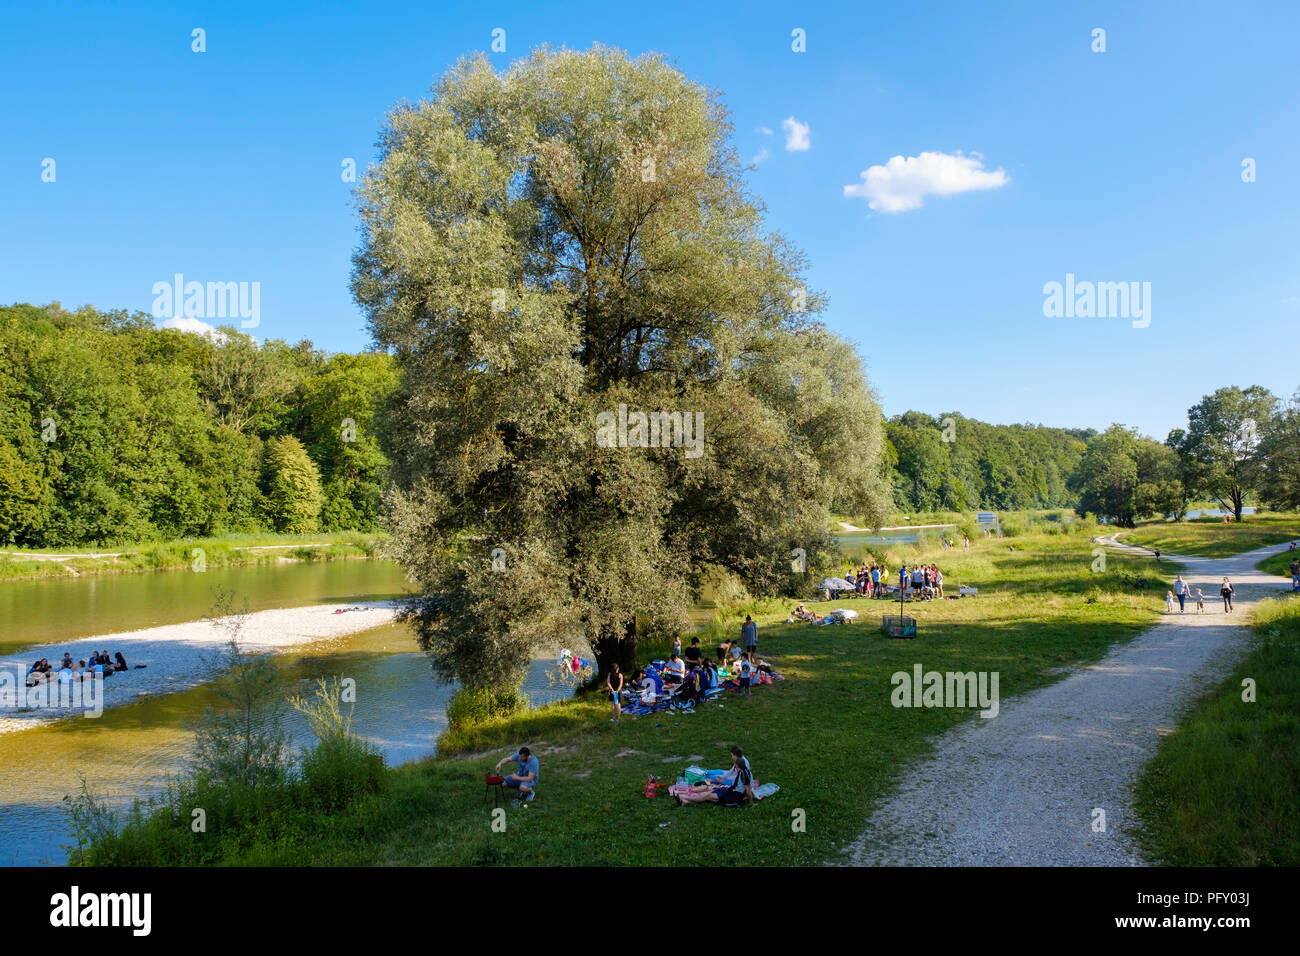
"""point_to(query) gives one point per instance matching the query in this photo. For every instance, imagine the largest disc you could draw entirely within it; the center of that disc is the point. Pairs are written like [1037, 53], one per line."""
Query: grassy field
[828, 735]
[1222, 791]
[226, 550]
[1214, 539]
[1279, 564]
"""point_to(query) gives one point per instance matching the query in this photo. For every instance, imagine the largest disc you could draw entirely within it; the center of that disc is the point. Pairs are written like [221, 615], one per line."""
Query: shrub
[475, 705]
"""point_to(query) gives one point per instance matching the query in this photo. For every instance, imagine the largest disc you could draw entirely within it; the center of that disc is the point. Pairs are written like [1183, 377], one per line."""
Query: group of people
[68, 671]
[920, 581]
[1182, 591]
[690, 675]
[735, 787]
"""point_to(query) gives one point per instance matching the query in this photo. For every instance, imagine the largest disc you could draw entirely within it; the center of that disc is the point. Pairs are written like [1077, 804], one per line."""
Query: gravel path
[1021, 789]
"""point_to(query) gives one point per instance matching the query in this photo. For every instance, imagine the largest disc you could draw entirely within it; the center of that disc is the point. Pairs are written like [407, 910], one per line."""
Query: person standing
[749, 637]
[1225, 592]
[1295, 571]
[1180, 592]
[694, 656]
[614, 681]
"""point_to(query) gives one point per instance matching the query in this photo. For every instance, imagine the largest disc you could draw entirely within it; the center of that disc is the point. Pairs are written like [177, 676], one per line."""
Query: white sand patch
[178, 657]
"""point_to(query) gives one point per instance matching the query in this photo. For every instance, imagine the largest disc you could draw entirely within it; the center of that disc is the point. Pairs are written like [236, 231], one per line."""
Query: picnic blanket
[694, 775]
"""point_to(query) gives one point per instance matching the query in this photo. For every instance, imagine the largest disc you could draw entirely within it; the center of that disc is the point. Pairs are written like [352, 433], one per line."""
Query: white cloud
[903, 183]
[765, 130]
[761, 155]
[199, 327]
[797, 135]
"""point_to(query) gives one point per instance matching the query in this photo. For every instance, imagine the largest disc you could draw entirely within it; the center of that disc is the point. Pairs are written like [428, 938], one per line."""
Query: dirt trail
[1021, 788]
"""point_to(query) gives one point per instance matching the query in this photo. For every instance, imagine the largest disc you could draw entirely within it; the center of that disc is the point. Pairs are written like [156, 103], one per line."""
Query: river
[130, 751]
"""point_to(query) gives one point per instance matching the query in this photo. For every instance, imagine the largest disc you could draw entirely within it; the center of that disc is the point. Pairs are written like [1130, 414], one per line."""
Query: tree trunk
[1237, 497]
[616, 648]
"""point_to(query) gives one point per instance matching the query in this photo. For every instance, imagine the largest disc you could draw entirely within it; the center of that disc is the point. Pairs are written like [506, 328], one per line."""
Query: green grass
[1225, 788]
[1279, 564]
[1040, 610]
[1211, 538]
[225, 550]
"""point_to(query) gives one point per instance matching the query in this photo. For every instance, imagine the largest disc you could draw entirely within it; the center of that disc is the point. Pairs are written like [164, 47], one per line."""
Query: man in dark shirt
[694, 656]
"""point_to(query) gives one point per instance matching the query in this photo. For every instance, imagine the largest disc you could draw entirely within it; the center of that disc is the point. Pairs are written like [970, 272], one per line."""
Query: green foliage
[954, 463]
[540, 247]
[1220, 449]
[1124, 476]
[340, 768]
[113, 430]
[469, 706]
[292, 497]
[244, 742]
[1279, 457]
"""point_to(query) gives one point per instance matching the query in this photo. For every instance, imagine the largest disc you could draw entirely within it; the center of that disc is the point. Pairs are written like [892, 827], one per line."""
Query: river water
[130, 751]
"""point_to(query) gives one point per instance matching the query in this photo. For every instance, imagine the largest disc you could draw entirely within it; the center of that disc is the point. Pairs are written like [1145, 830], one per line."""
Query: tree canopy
[569, 239]
[114, 430]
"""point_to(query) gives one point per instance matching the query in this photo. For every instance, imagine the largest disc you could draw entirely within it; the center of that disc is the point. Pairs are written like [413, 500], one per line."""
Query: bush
[475, 705]
[339, 770]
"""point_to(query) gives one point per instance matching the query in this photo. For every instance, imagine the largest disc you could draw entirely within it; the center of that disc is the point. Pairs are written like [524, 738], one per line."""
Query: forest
[113, 430]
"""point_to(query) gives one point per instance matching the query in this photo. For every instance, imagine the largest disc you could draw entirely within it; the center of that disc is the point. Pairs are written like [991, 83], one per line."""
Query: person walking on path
[749, 637]
[614, 681]
[1225, 592]
[1295, 571]
[1180, 592]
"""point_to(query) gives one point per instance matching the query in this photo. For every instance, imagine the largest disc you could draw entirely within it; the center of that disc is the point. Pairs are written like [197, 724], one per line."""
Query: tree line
[114, 430]
[1239, 444]
[953, 463]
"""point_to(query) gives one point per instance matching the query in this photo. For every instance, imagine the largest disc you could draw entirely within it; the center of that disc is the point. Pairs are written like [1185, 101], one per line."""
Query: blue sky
[1122, 166]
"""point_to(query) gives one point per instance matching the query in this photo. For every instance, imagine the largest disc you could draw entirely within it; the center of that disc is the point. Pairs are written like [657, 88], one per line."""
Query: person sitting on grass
[674, 670]
[708, 676]
[737, 787]
[525, 777]
[652, 687]
[801, 613]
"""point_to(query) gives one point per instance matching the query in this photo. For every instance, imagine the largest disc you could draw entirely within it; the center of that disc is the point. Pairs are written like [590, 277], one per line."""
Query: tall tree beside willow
[544, 245]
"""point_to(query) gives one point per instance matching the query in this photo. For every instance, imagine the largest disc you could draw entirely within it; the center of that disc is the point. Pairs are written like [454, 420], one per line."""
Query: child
[1200, 602]
[746, 672]
[1169, 602]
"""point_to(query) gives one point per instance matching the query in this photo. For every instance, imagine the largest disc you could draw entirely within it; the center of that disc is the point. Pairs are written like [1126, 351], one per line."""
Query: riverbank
[187, 555]
[177, 657]
[1041, 610]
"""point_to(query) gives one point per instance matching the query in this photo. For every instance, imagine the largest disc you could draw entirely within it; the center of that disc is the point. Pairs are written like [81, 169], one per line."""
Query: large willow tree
[545, 245]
